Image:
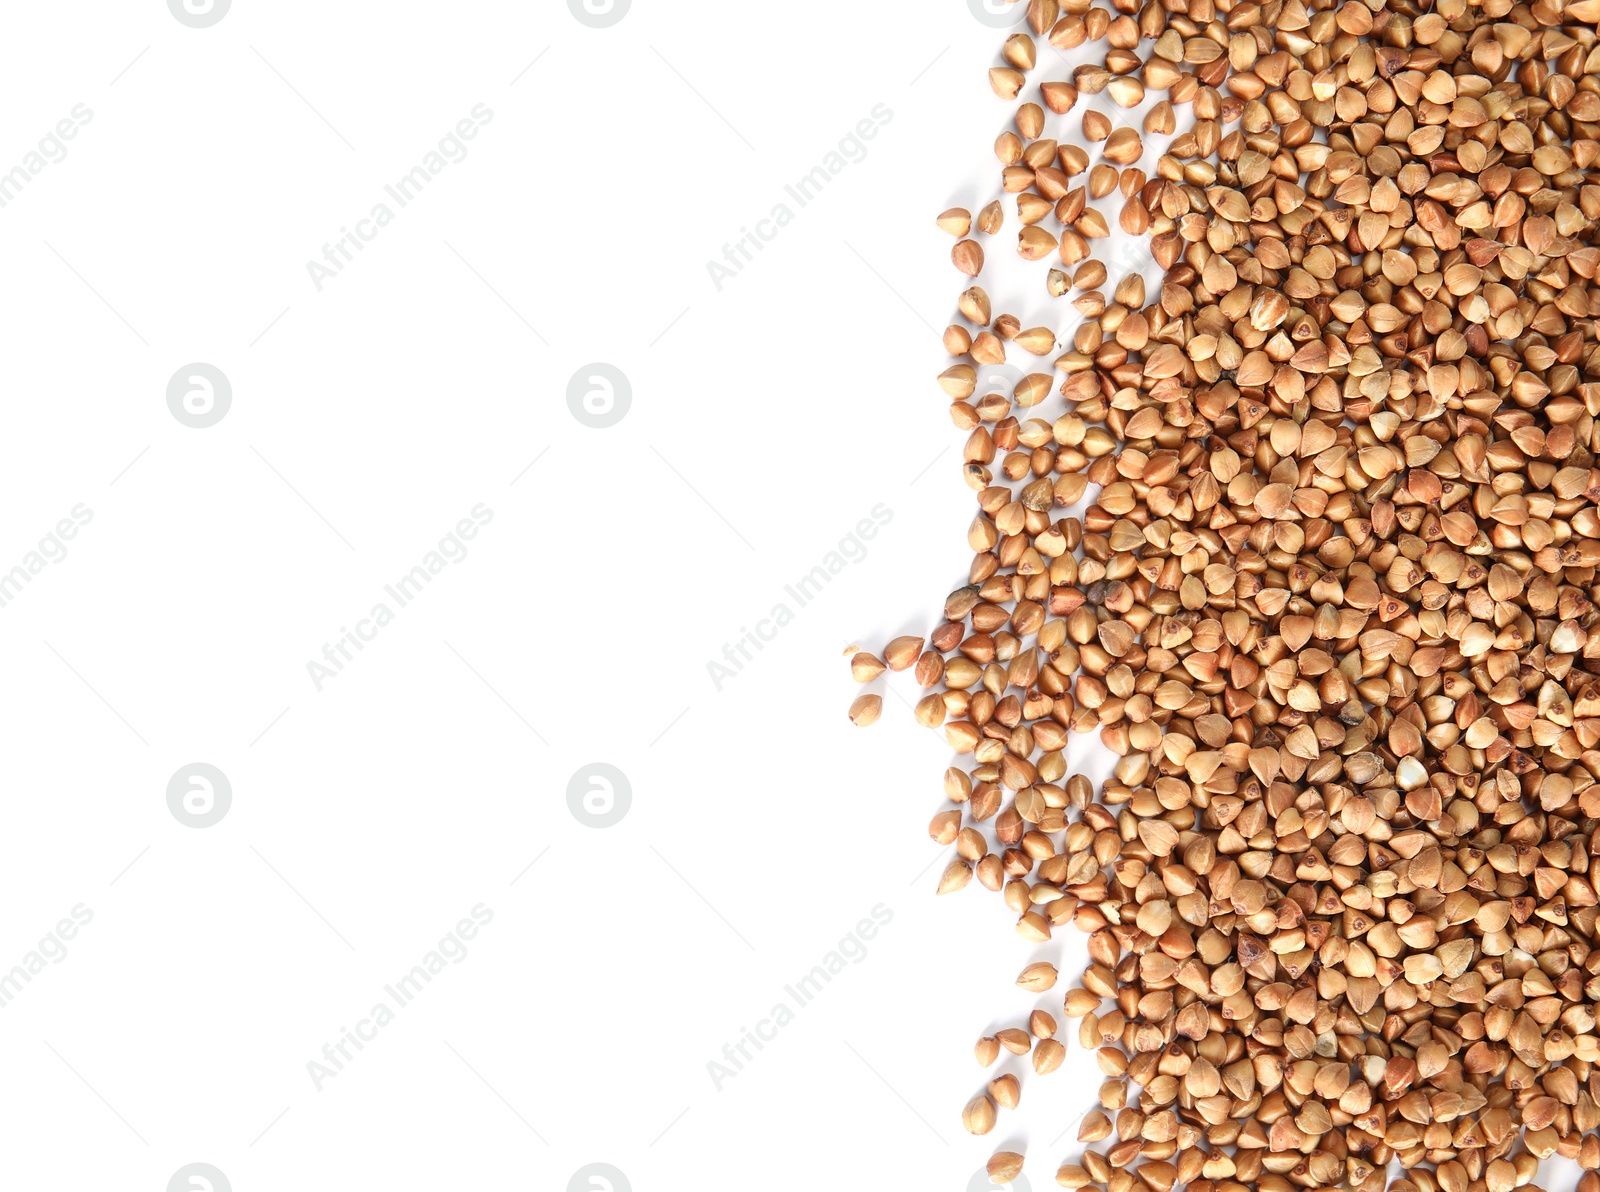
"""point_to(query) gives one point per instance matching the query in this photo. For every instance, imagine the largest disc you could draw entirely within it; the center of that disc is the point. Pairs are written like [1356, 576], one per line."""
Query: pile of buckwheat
[1331, 601]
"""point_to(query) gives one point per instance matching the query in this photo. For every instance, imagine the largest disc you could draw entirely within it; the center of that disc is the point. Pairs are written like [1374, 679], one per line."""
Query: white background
[767, 418]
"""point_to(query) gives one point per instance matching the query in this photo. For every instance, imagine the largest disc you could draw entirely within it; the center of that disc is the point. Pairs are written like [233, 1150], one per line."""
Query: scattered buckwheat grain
[1330, 601]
